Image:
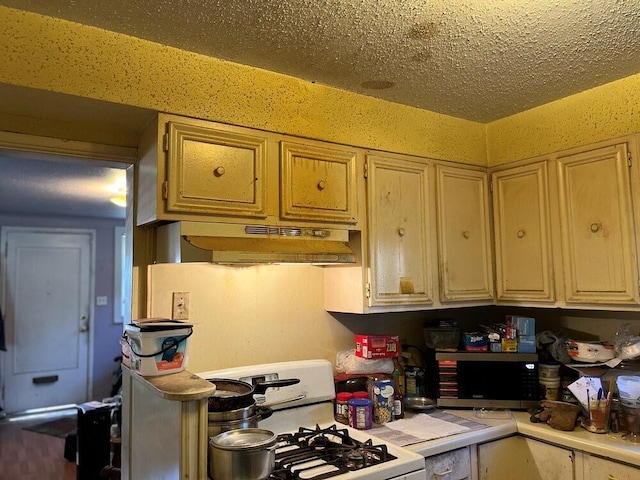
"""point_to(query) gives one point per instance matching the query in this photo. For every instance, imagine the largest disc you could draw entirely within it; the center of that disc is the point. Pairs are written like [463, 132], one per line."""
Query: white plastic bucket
[629, 390]
[157, 351]
[548, 371]
[550, 389]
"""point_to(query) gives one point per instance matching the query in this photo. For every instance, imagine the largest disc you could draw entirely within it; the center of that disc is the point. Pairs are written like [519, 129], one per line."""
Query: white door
[47, 289]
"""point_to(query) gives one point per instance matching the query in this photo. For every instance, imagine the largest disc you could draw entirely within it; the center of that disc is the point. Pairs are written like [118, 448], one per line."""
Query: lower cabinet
[453, 465]
[524, 459]
[596, 468]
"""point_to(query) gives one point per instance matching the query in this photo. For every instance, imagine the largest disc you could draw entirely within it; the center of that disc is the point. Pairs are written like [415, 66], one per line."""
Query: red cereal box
[377, 346]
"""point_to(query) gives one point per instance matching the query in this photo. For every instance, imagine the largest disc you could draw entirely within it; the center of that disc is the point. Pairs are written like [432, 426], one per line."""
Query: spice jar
[360, 413]
[342, 407]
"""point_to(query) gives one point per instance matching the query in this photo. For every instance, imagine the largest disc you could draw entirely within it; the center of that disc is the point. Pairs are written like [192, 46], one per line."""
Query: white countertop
[608, 445]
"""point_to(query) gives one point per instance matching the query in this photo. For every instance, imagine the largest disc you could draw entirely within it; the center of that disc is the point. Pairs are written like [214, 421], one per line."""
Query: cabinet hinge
[165, 142]
[165, 190]
[629, 160]
[367, 290]
[366, 169]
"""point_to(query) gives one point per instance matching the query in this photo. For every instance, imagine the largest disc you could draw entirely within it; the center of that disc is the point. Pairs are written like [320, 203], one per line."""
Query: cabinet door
[464, 242]
[454, 465]
[524, 459]
[317, 184]
[597, 227]
[522, 234]
[602, 469]
[217, 172]
[399, 232]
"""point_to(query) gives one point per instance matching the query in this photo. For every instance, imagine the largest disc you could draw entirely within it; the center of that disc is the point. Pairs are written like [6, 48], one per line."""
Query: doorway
[48, 287]
[98, 346]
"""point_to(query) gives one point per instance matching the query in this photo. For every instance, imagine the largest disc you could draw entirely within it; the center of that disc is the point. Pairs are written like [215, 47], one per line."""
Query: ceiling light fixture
[120, 200]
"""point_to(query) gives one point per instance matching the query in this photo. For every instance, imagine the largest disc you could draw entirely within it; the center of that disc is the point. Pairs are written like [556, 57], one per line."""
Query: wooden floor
[26, 455]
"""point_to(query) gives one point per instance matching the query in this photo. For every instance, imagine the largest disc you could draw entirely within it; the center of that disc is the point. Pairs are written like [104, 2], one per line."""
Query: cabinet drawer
[600, 468]
[454, 465]
[215, 172]
[317, 184]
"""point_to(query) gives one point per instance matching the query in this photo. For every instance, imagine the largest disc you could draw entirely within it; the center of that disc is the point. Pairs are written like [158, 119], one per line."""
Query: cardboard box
[377, 346]
[527, 344]
[509, 345]
[525, 326]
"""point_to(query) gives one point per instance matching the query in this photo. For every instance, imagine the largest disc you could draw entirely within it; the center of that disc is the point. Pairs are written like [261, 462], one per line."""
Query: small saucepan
[234, 394]
[249, 454]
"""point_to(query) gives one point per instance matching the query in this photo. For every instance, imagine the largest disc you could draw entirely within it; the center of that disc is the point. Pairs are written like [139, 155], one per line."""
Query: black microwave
[487, 380]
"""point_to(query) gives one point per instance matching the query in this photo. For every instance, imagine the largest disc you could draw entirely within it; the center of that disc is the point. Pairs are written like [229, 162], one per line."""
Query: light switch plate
[101, 301]
[180, 310]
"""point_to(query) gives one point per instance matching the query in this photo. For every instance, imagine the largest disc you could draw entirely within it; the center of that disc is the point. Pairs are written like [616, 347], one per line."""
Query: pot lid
[244, 439]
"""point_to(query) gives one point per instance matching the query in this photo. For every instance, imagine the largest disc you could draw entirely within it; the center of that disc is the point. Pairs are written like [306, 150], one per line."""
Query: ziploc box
[377, 346]
[157, 347]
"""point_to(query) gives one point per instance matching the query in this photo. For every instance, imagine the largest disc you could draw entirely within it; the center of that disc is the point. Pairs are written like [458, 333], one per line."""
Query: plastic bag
[348, 362]
[627, 345]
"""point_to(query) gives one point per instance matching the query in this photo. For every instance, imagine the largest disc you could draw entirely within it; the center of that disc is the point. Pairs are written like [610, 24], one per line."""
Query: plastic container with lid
[550, 389]
[360, 413]
[548, 371]
[342, 407]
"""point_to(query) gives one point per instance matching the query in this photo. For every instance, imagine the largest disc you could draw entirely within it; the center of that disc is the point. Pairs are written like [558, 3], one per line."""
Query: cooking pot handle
[263, 412]
[261, 387]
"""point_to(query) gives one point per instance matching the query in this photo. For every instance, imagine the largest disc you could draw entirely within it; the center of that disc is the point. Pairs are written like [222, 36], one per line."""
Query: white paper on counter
[423, 427]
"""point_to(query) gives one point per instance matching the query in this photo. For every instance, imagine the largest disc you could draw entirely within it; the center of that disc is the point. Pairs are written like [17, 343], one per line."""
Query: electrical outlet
[180, 309]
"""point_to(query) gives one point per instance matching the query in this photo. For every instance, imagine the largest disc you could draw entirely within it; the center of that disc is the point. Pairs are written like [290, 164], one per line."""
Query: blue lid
[359, 402]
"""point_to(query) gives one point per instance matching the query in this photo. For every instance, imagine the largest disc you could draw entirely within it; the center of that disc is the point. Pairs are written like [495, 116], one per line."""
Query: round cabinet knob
[595, 227]
[219, 171]
[466, 234]
[321, 185]
[401, 232]
[520, 233]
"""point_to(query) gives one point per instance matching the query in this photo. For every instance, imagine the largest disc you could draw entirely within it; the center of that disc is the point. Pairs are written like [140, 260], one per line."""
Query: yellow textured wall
[51, 54]
[602, 113]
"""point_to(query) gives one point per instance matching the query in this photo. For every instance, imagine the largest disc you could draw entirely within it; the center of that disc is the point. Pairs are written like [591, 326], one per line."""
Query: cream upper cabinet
[464, 234]
[317, 183]
[398, 231]
[197, 170]
[596, 218]
[522, 235]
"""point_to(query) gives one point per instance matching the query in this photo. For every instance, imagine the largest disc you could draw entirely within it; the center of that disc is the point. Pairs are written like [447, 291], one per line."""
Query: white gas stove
[304, 411]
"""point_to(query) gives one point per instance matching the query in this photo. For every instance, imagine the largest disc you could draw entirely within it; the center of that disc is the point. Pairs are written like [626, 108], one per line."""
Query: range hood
[237, 243]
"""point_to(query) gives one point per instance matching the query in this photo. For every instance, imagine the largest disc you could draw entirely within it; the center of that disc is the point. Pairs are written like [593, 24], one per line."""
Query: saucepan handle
[262, 387]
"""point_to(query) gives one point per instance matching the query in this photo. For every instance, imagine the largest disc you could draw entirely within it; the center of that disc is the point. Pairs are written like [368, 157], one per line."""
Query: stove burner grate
[320, 453]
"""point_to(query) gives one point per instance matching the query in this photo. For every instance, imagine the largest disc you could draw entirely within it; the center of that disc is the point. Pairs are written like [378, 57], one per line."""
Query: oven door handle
[286, 400]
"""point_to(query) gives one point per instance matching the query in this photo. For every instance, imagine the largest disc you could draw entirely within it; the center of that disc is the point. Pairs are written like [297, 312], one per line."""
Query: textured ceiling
[473, 59]
[479, 60]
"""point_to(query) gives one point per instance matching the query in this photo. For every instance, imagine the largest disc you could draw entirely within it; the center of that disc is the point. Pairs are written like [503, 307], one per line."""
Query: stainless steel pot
[248, 454]
[218, 424]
